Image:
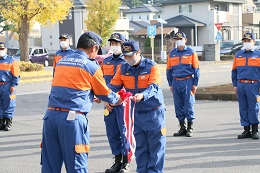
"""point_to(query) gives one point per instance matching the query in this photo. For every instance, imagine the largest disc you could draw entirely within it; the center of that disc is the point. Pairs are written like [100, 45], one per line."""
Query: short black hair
[86, 42]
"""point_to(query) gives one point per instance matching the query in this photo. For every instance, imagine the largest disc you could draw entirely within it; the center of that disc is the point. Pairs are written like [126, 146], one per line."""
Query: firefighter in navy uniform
[65, 136]
[246, 82]
[141, 77]
[65, 50]
[113, 115]
[183, 75]
[10, 75]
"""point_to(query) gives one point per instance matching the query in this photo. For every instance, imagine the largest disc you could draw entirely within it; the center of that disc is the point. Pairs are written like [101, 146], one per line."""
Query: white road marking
[36, 92]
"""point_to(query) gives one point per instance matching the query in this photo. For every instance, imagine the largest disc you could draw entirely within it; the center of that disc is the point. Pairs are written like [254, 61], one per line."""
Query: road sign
[219, 36]
[218, 25]
[151, 30]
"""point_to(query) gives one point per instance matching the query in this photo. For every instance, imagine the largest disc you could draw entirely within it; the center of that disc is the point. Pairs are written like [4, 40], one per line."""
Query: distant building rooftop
[172, 2]
[145, 8]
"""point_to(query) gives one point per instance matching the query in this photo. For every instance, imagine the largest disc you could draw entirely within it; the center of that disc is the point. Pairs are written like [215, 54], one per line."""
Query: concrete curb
[215, 96]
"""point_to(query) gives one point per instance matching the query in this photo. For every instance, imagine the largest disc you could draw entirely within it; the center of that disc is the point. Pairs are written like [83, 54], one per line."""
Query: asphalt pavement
[214, 147]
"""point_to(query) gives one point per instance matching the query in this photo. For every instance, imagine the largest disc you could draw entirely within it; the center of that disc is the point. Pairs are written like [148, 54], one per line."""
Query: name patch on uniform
[127, 74]
[73, 61]
[108, 62]
[144, 72]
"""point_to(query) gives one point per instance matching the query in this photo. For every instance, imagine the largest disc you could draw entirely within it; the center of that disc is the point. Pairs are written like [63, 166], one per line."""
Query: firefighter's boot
[246, 133]
[2, 123]
[115, 168]
[255, 131]
[189, 129]
[8, 124]
[125, 168]
[182, 131]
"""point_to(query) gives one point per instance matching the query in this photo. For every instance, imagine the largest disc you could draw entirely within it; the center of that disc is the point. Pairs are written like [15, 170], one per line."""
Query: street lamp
[160, 20]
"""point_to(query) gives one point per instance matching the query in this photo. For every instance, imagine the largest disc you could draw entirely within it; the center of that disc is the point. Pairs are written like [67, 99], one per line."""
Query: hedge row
[28, 66]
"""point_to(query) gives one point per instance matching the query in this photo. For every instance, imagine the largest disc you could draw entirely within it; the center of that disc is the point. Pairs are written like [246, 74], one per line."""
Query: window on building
[185, 8]
[148, 17]
[139, 16]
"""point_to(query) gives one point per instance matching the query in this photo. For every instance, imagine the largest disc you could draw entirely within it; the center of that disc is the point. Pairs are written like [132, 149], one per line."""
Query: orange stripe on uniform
[6, 67]
[168, 65]
[254, 62]
[234, 63]
[195, 62]
[155, 75]
[15, 68]
[98, 84]
[72, 77]
[174, 61]
[186, 60]
[240, 61]
[117, 78]
[108, 69]
[143, 81]
[128, 81]
[56, 60]
[82, 148]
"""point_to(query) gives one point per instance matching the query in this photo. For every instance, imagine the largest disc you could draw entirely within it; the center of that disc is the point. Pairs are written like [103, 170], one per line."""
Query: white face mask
[116, 49]
[2, 53]
[180, 43]
[248, 45]
[133, 61]
[64, 44]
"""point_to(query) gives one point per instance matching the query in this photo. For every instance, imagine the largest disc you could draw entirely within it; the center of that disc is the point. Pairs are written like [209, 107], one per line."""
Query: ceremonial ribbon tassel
[129, 122]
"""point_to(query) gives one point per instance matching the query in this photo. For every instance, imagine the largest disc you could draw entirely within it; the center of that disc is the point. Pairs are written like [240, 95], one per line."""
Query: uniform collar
[244, 50]
[142, 63]
[4, 57]
[120, 56]
[185, 48]
[65, 49]
[81, 52]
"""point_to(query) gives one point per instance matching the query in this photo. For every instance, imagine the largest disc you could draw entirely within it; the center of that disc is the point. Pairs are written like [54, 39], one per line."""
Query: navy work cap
[180, 35]
[249, 36]
[64, 35]
[117, 37]
[2, 45]
[93, 36]
[130, 47]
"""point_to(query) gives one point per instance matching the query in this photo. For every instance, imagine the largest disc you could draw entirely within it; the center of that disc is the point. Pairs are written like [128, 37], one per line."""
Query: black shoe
[125, 167]
[8, 124]
[255, 131]
[246, 133]
[189, 129]
[115, 168]
[182, 131]
[2, 123]
[189, 133]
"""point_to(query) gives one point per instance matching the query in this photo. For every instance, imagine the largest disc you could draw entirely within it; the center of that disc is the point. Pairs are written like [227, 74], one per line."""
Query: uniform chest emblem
[142, 77]
[127, 74]
[108, 62]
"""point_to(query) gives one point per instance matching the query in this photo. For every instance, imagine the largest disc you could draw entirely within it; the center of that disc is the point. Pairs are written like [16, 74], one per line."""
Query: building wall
[50, 38]
[143, 16]
[208, 13]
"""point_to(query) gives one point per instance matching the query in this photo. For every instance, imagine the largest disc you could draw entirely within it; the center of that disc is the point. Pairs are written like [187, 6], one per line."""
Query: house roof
[166, 30]
[145, 8]
[78, 3]
[181, 21]
[138, 25]
[172, 2]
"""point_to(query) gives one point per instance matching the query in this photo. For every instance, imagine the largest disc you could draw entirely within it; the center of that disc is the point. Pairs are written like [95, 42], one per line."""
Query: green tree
[102, 16]
[24, 13]
[4, 25]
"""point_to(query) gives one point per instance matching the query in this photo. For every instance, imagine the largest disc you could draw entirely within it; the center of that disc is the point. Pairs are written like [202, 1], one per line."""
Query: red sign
[218, 25]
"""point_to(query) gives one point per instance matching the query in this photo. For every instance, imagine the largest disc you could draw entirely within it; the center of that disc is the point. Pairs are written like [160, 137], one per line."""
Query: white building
[203, 15]
[145, 13]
